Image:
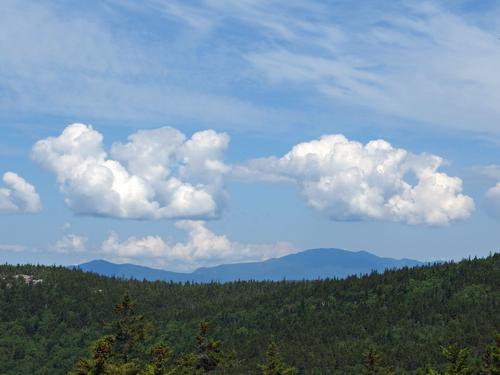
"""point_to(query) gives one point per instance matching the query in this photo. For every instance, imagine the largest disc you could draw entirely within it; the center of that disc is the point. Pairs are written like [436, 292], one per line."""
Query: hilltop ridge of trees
[320, 327]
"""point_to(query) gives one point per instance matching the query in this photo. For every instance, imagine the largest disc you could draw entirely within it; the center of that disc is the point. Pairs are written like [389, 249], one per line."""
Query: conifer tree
[490, 361]
[160, 359]
[373, 363]
[209, 353]
[121, 351]
[129, 331]
[274, 363]
[100, 364]
[458, 361]
[207, 358]
[186, 364]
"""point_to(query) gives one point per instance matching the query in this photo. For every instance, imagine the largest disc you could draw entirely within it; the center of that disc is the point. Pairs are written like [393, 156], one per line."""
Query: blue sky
[253, 93]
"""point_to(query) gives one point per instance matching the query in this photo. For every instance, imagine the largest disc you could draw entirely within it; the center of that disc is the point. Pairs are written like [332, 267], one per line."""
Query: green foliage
[208, 358]
[160, 361]
[209, 354]
[274, 364]
[490, 361]
[458, 361]
[322, 326]
[372, 362]
[123, 351]
[129, 331]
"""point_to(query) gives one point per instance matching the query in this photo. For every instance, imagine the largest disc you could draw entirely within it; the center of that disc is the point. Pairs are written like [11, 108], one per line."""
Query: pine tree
[100, 363]
[160, 359]
[186, 364]
[372, 362]
[207, 358]
[274, 363]
[209, 353]
[458, 360]
[129, 331]
[490, 361]
[121, 351]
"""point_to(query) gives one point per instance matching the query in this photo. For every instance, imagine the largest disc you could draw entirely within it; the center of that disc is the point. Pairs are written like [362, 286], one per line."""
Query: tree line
[320, 326]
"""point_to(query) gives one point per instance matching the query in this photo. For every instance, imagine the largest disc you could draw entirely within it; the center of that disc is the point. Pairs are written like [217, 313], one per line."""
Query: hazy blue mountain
[309, 264]
[132, 271]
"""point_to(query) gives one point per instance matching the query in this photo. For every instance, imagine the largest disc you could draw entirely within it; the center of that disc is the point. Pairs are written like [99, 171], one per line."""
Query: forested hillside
[49, 321]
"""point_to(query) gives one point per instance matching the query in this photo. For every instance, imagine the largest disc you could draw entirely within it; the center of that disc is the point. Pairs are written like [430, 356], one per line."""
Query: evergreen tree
[373, 363]
[186, 364]
[100, 364]
[129, 331]
[208, 357]
[160, 360]
[490, 361]
[458, 361]
[209, 353]
[274, 363]
[119, 353]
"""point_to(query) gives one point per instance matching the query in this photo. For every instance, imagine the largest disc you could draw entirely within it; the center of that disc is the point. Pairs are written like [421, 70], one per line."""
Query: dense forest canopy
[53, 316]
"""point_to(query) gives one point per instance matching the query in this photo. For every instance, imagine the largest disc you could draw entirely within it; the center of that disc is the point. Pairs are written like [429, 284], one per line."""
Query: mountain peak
[305, 265]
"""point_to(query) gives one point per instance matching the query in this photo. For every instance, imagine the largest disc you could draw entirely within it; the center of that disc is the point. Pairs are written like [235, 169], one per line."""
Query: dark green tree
[274, 364]
[490, 361]
[186, 364]
[372, 362]
[121, 352]
[208, 356]
[129, 331]
[209, 353]
[100, 363]
[160, 361]
[457, 361]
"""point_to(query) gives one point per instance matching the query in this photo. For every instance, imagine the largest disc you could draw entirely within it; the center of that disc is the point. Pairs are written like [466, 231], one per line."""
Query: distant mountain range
[306, 265]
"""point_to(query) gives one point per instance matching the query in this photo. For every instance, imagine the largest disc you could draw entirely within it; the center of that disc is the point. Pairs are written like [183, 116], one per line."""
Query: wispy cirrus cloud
[12, 248]
[422, 62]
[491, 171]
[425, 64]
[67, 60]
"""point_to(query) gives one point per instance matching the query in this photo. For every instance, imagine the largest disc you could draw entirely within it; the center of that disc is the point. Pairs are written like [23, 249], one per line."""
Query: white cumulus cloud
[348, 180]
[70, 243]
[18, 196]
[202, 248]
[157, 174]
[493, 201]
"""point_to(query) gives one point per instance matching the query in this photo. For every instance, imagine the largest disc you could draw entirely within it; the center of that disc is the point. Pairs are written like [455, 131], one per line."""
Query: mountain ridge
[320, 263]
